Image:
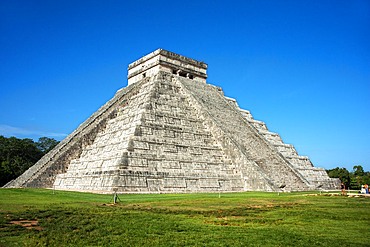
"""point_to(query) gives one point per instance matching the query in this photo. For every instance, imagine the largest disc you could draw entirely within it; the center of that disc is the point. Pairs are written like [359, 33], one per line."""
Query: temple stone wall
[317, 177]
[102, 159]
[174, 141]
[254, 148]
[163, 147]
[44, 172]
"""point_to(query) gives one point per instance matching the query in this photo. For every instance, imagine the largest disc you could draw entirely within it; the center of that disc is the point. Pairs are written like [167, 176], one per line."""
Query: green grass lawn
[234, 219]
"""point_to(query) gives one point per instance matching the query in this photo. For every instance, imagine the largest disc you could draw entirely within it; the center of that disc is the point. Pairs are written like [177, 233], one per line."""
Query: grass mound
[234, 219]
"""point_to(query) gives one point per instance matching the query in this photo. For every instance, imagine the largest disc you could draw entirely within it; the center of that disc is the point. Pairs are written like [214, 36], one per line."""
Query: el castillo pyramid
[169, 131]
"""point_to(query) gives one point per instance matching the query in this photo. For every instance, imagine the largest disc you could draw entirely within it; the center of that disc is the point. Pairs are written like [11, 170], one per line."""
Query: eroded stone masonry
[170, 131]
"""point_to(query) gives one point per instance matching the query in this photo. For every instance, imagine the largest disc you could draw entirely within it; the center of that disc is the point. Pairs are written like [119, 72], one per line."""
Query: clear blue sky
[303, 67]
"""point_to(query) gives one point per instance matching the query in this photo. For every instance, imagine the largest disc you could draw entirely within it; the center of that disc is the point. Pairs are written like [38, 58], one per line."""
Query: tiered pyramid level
[170, 131]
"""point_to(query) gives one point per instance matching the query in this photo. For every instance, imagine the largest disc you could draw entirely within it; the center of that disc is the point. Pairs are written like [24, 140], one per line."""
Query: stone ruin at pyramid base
[169, 131]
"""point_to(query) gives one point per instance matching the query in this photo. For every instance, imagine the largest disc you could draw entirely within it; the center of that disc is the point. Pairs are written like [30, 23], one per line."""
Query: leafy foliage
[45, 144]
[358, 171]
[17, 155]
[352, 180]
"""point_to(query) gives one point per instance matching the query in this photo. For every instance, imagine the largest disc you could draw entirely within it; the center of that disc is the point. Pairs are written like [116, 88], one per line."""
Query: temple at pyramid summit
[169, 131]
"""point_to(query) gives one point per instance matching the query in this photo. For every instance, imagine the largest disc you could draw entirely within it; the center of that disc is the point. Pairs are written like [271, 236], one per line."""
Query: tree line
[354, 179]
[17, 155]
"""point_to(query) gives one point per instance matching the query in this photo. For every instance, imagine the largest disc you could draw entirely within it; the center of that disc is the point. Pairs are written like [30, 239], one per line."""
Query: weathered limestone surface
[255, 151]
[317, 177]
[169, 131]
[57, 161]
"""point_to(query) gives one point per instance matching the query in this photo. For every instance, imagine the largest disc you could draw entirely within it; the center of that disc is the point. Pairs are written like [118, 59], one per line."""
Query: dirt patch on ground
[29, 224]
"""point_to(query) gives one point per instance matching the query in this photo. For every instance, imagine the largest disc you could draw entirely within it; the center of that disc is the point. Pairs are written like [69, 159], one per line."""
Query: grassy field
[234, 219]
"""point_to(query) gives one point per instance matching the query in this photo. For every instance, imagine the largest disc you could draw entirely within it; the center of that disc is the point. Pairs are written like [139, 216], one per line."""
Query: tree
[358, 171]
[358, 177]
[16, 156]
[352, 180]
[366, 178]
[341, 173]
[45, 144]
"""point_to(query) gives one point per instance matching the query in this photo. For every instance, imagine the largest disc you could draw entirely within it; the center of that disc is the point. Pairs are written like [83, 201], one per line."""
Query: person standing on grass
[343, 189]
[366, 189]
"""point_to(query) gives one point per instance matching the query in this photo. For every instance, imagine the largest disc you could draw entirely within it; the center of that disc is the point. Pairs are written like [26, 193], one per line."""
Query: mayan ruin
[169, 131]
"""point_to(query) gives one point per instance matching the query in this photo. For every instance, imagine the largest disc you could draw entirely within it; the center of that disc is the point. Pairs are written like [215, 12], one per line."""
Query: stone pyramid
[170, 131]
